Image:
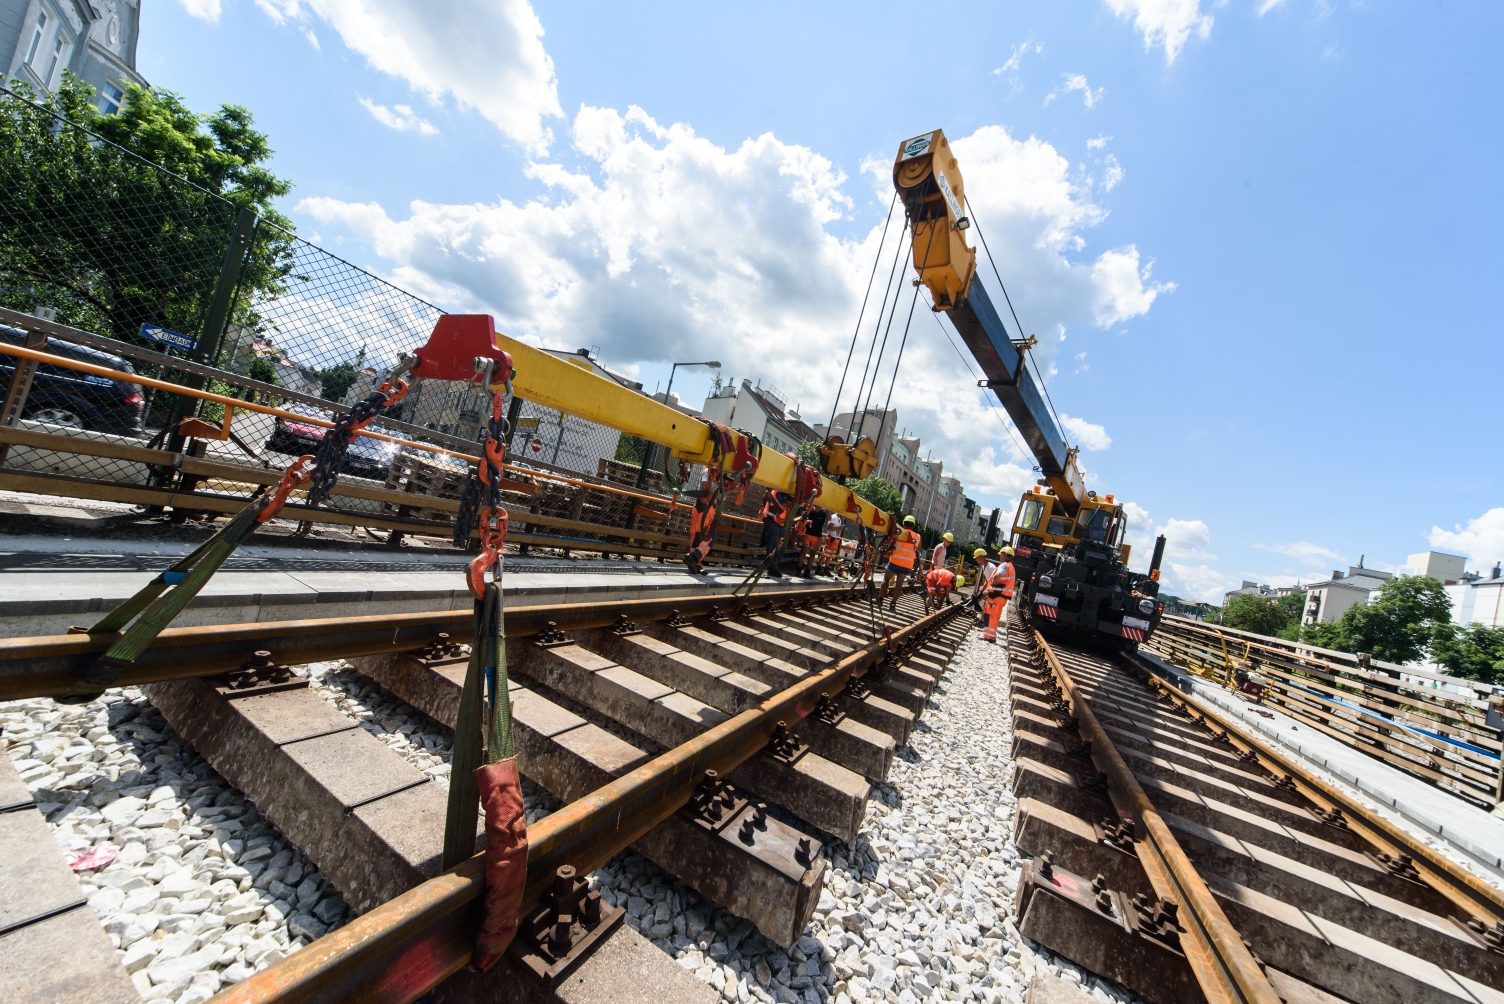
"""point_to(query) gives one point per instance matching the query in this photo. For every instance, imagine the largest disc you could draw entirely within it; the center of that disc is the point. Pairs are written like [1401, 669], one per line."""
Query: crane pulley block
[929, 181]
[839, 460]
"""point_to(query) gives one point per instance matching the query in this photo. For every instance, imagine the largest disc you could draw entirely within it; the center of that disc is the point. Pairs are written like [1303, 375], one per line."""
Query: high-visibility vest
[775, 509]
[905, 549]
[1000, 582]
[940, 579]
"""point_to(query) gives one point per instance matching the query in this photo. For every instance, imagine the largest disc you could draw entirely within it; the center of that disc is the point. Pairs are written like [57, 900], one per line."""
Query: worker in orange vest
[938, 583]
[999, 590]
[775, 510]
[901, 562]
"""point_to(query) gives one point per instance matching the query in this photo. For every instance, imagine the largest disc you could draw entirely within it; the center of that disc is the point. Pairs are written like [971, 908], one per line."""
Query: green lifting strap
[161, 600]
[487, 672]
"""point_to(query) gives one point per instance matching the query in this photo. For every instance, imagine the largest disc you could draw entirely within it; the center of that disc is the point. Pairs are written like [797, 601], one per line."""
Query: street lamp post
[711, 365]
[642, 470]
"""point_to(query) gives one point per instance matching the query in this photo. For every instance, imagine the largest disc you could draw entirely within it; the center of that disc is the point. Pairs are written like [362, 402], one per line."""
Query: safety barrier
[1444, 729]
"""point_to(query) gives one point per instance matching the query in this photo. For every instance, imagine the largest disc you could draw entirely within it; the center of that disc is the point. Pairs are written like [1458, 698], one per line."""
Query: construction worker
[901, 562]
[938, 556]
[999, 589]
[984, 561]
[775, 509]
[938, 583]
[807, 532]
[831, 554]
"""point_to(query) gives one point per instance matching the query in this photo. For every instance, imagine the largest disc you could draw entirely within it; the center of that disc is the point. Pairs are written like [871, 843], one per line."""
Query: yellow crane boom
[556, 383]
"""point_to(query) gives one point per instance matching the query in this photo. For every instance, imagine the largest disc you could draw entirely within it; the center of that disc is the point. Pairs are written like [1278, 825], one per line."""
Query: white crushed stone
[204, 891]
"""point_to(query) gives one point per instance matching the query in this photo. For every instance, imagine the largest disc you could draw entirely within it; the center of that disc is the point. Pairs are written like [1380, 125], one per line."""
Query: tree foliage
[1396, 627]
[1475, 652]
[880, 493]
[334, 381]
[135, 230]
[1258, 614]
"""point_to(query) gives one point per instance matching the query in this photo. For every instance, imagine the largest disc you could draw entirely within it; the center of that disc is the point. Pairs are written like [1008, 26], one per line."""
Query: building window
[57, 56]
[110, 98]
[36, 39]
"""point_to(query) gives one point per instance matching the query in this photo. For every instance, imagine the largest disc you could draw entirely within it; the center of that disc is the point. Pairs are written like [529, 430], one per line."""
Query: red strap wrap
[506, 859]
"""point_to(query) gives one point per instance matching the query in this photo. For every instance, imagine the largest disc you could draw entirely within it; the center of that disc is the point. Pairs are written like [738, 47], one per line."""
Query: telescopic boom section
[572, 389]
[929, 181]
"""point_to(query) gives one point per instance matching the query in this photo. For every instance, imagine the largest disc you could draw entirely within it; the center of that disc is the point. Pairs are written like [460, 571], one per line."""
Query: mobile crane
[1070, 556]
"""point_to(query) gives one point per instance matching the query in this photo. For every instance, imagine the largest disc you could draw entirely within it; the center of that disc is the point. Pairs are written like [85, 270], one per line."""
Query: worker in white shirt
[937, 557]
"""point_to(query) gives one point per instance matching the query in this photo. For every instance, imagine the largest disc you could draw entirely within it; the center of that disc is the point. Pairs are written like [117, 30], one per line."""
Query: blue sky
[1257, 239]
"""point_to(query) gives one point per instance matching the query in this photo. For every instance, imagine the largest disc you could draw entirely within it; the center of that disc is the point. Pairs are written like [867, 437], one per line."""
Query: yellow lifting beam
[557, 383]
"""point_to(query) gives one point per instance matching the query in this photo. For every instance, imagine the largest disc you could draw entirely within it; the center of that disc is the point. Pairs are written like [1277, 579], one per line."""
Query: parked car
[366, 458]
[72, 398]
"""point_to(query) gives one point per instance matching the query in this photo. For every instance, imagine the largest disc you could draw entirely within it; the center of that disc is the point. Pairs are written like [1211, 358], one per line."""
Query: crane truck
[1070, 556]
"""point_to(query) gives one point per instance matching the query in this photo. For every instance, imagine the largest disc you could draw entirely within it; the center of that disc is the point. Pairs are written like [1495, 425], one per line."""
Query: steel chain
[330, 455]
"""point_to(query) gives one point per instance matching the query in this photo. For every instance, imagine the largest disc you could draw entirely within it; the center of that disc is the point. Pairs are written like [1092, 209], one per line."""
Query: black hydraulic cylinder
[1159, 554]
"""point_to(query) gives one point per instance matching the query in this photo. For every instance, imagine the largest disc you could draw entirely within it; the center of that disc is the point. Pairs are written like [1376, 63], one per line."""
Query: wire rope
[856, 430]
[856, 332]
[991, 405]
[929, 245]
[1017, 323]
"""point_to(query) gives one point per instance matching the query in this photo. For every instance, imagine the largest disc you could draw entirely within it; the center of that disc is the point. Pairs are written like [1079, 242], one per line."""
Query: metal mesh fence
[152, 278]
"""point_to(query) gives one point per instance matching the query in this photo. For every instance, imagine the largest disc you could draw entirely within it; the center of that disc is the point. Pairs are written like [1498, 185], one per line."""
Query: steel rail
[405, 947]
[1222, 964]
[49, 664]
[1467, 891]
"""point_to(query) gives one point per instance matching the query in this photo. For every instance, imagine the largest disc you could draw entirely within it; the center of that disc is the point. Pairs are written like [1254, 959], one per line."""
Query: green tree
[1258, 614]
[106, 235]
[809, 452]
[1326, 635]
[337, 379]
[1293, 605]
[880, 493]
[1475, 651]
[1398, 625]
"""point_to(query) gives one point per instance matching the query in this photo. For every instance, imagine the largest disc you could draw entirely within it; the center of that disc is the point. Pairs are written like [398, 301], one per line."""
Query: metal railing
[1443, 729]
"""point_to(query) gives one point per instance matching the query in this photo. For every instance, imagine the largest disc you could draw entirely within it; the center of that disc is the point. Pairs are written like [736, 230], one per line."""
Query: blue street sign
[157, 333]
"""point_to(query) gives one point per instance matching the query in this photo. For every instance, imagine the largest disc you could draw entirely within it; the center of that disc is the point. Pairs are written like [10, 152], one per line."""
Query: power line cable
[856, 332]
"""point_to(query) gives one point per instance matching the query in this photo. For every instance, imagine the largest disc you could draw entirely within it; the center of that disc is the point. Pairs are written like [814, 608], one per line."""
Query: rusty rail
[49, 664]
[1222, 963]
[402, 949]
[1467, 891]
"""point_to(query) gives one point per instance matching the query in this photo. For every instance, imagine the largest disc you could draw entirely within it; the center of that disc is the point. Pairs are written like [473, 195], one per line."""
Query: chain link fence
[158, 284]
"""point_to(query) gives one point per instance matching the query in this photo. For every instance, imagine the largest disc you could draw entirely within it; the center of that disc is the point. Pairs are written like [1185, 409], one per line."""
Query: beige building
[1327, 601]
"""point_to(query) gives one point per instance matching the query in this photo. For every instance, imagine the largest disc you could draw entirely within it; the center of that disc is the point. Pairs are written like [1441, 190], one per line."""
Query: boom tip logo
[916, 146]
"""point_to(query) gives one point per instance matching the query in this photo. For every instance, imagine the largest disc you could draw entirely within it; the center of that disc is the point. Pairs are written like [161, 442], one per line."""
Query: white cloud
[1087, 435]
[1077, 82]
[399, 117]
[1169, 23]
[1187, 570]
[1482, 539]
[664, 245]
[1123, 288]
[204, 10]
[1265, 6]
[488, 56]
[1305, 552]
[1015, 60]
[1112, 173]
[313, 39]
[1098, 143]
